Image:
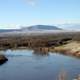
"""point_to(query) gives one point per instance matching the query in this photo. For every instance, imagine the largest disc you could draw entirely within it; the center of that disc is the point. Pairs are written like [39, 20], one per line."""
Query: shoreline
[72, 49]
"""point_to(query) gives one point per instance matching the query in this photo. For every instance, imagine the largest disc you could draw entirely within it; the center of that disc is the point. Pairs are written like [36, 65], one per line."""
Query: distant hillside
[32, 28]
[8, 30]
[41, 27]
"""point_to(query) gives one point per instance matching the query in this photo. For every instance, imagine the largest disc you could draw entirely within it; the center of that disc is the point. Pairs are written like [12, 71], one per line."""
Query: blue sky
[15, 13]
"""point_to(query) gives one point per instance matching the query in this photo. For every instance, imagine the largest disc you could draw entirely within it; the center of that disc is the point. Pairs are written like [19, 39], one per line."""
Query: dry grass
[72, 48]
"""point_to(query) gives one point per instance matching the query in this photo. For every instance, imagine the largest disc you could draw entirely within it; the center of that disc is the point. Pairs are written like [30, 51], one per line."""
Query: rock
[3, 59]
[78, 78]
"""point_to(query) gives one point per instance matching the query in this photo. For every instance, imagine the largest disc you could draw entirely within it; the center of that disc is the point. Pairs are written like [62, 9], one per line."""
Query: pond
[24, 64]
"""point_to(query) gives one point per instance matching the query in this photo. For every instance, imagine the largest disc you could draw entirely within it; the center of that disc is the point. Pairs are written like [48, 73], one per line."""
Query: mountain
[41, 27]
[31, 28]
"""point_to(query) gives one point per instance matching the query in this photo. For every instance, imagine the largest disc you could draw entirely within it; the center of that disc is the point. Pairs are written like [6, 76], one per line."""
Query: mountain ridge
[41, 27]
[32, 28]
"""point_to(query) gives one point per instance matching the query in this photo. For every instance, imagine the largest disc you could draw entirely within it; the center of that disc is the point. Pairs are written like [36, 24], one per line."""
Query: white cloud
[63, 21]
[9, 26]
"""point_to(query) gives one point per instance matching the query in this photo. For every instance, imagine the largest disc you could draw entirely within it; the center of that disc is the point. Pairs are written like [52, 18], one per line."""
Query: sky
[17, 13]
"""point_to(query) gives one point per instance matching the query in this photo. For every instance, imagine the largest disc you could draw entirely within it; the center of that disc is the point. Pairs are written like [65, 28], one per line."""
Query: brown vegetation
[3, 59]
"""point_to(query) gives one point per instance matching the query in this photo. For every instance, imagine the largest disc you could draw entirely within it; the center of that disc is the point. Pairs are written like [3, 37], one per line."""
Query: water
[28, 65]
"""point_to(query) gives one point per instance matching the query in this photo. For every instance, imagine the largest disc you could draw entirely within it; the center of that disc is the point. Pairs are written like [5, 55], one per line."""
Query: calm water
[28, 65]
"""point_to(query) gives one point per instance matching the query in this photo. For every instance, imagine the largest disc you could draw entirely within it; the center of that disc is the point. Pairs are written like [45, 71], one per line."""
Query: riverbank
[72, 48]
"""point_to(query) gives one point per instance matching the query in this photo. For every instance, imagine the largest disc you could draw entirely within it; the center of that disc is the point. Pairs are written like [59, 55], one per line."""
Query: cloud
[66, 21]
[9, 26]
[31, 2]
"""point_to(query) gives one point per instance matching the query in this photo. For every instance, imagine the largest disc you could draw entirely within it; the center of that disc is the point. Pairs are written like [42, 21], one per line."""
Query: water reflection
[41, 51]
[44, 51]
[28, 66]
